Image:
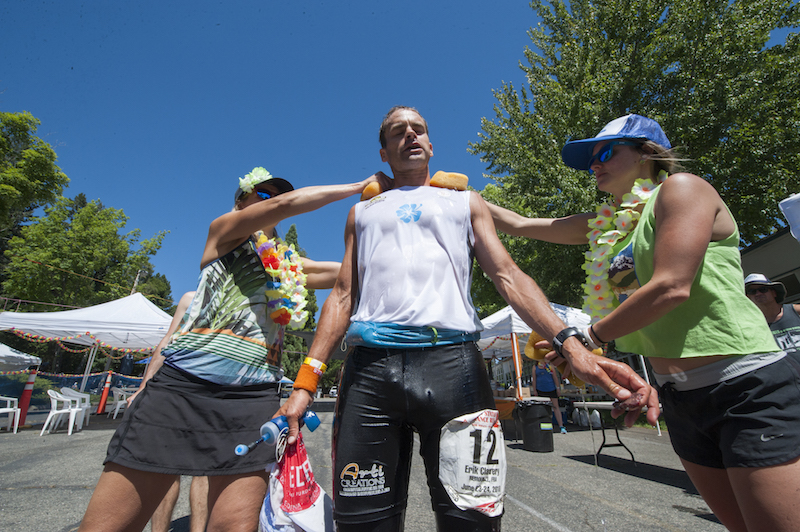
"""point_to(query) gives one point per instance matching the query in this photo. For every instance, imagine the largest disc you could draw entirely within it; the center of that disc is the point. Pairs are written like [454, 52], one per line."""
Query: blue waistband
[370, 334]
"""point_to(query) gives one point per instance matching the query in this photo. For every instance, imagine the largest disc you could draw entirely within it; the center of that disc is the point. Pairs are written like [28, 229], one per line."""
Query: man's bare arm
[333, 322]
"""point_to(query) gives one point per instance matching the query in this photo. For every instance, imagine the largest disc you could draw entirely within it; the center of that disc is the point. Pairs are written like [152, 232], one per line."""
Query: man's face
[407, 143]
[761, 295]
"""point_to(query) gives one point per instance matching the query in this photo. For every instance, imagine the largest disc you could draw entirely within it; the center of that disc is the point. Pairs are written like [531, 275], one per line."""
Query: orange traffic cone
[101, 408]
[25, 399]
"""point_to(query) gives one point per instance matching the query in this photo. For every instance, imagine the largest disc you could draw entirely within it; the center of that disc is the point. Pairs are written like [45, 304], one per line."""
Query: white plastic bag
[294, 501]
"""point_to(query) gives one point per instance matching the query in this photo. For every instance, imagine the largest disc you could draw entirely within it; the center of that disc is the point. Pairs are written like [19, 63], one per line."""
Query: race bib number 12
[472, 462]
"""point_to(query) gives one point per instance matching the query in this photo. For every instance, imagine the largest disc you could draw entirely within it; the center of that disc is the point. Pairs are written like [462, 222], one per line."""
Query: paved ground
[46, 482]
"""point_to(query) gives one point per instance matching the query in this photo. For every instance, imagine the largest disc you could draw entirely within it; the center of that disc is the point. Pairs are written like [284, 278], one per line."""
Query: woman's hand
[385, 182]
[130, 398]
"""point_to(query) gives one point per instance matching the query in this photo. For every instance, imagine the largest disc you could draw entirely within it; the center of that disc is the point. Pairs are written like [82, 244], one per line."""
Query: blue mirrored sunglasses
[264, 194]
[607, 152]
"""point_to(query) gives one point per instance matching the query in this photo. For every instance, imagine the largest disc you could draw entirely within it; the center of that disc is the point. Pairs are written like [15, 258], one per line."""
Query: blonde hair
[667, 159]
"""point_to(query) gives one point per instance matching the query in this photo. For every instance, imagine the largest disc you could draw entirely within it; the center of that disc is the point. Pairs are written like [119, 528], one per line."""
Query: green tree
[294, 347]
[75, 255]
[29, 177]
[701, 68]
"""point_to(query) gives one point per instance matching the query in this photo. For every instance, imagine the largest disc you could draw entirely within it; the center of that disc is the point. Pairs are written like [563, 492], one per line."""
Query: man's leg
[478, 523]
[162, 517]
[436, 402]
[198, 501]
[372, 444]
[394, 523]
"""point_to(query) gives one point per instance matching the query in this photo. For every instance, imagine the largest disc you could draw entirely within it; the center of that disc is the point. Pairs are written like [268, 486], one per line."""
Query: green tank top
[717, 319]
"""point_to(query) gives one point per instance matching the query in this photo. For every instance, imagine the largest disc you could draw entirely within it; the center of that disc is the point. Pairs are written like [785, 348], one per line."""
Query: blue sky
[157, 107]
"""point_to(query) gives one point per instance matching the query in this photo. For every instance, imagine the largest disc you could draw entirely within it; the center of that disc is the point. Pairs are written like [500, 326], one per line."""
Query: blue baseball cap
[577, 153]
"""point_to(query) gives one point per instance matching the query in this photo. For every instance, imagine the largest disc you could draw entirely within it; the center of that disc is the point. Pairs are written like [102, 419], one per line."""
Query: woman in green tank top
[664, 280]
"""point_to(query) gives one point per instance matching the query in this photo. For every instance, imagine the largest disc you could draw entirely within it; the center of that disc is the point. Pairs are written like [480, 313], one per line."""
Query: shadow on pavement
[676, 478]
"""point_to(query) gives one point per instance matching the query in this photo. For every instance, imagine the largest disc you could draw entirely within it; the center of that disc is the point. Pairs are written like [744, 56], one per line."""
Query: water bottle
[271, 430]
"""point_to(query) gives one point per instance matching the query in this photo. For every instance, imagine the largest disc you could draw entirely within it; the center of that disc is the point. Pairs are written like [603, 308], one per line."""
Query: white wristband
[589, 339]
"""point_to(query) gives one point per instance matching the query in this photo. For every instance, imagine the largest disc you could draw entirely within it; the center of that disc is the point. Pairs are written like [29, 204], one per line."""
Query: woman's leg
[124, 499]
[234, 501]
[749, 499]
[768, 496]
[715, 488]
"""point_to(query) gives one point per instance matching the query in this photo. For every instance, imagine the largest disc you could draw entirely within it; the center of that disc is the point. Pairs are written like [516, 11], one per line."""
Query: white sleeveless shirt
[415, 256]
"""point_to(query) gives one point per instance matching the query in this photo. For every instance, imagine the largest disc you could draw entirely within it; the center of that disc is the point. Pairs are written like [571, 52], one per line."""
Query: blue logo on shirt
[409, 213]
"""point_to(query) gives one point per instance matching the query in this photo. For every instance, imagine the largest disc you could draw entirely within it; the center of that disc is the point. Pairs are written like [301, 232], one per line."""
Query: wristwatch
[561, 337]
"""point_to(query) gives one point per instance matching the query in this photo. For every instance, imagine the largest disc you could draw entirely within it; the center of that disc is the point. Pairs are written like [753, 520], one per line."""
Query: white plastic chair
[84, 403]
[60, 405]
[13, 411]
[120, 400]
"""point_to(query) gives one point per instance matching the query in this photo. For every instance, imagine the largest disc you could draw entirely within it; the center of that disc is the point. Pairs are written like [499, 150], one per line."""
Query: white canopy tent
[14, 360]
[500, 335]
[497, 329]
[131, 322]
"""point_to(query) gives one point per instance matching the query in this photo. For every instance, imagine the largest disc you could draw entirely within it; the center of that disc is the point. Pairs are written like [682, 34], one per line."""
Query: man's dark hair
[385, 123]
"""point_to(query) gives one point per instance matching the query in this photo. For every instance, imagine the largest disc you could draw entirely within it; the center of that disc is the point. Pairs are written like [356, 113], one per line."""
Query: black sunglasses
[607, 152]
[759, 290]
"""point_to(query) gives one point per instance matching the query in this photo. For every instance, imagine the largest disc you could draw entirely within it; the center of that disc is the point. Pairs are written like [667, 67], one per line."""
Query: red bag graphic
[300, 490]
[294, 501]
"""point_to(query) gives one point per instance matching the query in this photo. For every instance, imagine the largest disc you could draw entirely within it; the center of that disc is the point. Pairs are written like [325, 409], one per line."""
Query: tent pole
[517, 364]
[89, 363]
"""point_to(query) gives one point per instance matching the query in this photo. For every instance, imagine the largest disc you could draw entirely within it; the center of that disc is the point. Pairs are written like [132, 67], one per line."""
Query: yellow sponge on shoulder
[371, 190]
[451, 180]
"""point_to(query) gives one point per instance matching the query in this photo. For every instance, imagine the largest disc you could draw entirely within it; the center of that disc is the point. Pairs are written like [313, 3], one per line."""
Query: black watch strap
[558, 341]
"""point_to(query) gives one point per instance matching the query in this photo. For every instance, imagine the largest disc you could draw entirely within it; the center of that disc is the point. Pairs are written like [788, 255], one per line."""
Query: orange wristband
[306, 379]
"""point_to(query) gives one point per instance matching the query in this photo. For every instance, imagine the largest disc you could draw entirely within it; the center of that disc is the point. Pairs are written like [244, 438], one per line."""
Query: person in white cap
[783, 319]
[664, 280]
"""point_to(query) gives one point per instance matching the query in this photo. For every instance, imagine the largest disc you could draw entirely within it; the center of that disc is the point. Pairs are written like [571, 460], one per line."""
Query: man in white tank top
[403, 298]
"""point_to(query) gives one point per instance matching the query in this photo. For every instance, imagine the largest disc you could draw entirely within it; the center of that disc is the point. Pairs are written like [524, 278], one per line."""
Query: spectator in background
[198, 503]
[545, 383]
[783, 320]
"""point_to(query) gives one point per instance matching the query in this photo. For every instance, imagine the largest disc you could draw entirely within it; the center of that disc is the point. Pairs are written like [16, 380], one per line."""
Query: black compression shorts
[386, 396]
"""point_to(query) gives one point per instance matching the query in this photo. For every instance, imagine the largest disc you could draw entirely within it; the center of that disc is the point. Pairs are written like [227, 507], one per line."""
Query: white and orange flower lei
[611, 225]
[286, 297]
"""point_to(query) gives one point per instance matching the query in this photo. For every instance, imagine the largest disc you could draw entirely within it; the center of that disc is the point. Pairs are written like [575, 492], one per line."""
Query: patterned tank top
[226, 336]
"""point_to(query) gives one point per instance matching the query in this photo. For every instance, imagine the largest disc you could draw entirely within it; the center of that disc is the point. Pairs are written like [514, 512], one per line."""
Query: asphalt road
[46, 482]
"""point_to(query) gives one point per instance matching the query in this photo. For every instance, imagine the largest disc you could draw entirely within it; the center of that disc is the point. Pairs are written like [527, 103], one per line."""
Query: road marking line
[534, 513]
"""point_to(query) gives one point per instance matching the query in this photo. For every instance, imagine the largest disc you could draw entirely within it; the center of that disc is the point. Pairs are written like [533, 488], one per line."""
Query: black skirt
[182, 425]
